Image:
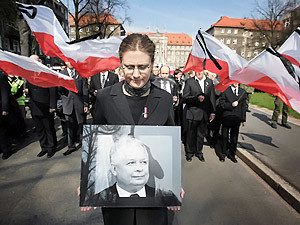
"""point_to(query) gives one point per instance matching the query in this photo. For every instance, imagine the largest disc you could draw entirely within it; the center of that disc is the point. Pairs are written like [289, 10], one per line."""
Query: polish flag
[267, 72]
[87, 57]
[290, 48]
[208, 53]
[34, 71]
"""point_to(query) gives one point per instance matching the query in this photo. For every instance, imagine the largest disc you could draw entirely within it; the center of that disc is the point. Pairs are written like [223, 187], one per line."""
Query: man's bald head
[164, 71]
[35, 57]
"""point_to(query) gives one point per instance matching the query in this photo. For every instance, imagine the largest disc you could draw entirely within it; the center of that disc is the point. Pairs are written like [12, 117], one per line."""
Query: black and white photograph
[128, 166]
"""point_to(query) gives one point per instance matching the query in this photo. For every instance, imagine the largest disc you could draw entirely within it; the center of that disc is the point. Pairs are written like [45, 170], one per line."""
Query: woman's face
[137, 67]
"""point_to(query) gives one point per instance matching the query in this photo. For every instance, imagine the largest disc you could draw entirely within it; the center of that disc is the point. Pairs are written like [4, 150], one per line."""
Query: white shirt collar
[201, 82]
[235, 90]
[123, 193]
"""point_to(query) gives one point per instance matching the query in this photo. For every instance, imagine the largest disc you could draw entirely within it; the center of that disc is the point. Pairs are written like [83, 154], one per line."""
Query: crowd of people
[137, 93]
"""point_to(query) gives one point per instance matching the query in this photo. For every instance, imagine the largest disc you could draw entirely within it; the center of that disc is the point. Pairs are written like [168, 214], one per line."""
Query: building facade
[171, 49]
[90, 25]
[243, 35]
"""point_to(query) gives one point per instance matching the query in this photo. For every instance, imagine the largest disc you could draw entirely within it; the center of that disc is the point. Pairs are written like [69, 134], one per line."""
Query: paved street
[43, 191]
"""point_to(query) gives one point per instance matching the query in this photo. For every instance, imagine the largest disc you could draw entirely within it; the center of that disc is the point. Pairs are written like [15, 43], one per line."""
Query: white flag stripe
[29, 64]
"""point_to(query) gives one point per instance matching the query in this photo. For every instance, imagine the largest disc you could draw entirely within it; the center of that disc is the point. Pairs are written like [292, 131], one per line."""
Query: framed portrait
[130, 166]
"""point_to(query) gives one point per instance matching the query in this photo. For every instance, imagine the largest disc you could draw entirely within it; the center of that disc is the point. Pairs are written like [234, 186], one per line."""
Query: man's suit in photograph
[154, 197]
[73, 107]
[231, 119]
[197, 114]
[41, 101]
[100, 81]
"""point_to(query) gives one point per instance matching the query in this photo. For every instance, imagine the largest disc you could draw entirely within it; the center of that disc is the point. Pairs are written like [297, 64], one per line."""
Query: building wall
[246, 43]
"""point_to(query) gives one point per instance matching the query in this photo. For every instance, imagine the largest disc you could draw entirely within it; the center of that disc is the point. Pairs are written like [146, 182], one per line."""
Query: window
[228, 41]
[222, 31]
[234, 41]
[236, 31]
[242, 53]
[249, 54]
[222, 40]
[256, 44]
[255, 53]
[16, 47]
[264, 44]
[229, 31]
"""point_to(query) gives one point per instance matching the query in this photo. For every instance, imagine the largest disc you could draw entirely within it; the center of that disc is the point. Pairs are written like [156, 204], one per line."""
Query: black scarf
[137, 92]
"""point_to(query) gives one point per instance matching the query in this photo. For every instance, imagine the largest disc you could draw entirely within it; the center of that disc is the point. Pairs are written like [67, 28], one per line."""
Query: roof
[247, 24]
[173, 38]
[90, 19]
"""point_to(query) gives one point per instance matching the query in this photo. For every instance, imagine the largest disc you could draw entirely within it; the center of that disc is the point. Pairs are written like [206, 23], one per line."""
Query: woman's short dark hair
[134, 42]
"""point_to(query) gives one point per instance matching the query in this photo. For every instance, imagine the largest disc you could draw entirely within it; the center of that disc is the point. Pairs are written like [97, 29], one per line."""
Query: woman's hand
[177, 208]
[84, 209]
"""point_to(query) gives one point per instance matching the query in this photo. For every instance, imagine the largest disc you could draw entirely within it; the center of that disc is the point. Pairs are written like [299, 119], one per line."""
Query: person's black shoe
[274, 125]
[222, 159]
[188, 158]
[248, 110]
[201, 158]
[6, 156]
[69, 151]
[42, 153]
[286, 126]
[50, 154]
[232, 158]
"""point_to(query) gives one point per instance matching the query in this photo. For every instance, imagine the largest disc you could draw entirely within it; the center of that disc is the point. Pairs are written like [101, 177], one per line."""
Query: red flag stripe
[87, 68]
[41, 79]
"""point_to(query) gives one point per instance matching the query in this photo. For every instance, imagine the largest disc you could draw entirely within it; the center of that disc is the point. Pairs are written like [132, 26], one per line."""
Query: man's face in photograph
[131, 167]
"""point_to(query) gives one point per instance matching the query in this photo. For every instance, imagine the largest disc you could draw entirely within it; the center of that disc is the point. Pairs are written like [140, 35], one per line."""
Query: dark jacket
[112, 107]
[41, 99]
[233, 115]
[71, 99]
[196, 110]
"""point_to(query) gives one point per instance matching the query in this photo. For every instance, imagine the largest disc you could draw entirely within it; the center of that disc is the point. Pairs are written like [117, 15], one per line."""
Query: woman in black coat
[135, 101]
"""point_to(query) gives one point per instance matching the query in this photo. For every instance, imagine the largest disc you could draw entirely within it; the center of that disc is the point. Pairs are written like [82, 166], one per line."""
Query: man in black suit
[130, 166]
[166, 82]
[42, 107]
[233, 103]
[75, 107]
[99, 81]
[199, 97]
[5, 108]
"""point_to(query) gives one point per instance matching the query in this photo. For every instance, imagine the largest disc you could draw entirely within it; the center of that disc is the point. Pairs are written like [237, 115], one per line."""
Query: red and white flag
[290, 48]
[211, 54]
[34, 71]
[274, 74]
[87, 57]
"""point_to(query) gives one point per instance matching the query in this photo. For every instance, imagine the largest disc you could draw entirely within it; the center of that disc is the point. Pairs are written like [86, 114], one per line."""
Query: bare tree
[99, 17]
[269, 21]
[80, 7]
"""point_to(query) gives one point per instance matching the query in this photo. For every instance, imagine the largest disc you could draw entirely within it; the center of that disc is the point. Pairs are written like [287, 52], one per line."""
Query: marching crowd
[139, 93]
[198, 108]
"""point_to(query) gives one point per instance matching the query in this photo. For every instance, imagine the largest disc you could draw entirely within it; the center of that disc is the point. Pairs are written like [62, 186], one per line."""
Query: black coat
[5, 93]
[196, 110]
[233, 115]
[41, 99]
[112, 108]
[74, 100]
[112, 78]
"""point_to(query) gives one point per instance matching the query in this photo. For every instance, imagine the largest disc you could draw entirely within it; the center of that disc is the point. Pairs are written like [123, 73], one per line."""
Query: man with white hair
[130, 162]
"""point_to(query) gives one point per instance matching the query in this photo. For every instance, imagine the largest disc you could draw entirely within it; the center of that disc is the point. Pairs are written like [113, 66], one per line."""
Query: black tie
[103, 80]
[72, 74]
[134, 196]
